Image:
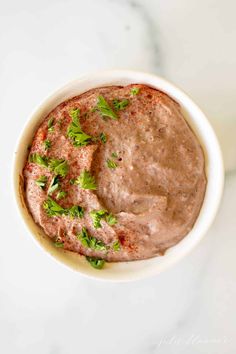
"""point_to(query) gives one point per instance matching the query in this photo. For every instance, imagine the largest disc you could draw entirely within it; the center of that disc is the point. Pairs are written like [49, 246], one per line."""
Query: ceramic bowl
[126, 271]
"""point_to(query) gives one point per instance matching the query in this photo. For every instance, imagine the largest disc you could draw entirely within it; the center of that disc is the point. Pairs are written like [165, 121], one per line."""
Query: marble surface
[47, 309]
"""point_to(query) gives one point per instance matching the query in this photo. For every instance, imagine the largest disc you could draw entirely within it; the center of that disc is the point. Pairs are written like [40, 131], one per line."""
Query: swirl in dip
[115, 174]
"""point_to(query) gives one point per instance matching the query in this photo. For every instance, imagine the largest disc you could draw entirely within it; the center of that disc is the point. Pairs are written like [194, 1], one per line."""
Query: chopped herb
[111, 164]
[119, 105]
[59, 244]
[52, 208]
[47, 144]
[84, 238]
[97, 216]
[74, 114]
[54, 185]
[50, 125]
[75, 132]
[38, 159]
[41, 181]
[59, 167]
[116, 245]
[86, 180]
[103, 138]
[111, 219]
[61, 195]
[95, 262]
[75, 211]
[90, 241]
[134, 91]
[104, 108]
[114, 154]
[73, 181]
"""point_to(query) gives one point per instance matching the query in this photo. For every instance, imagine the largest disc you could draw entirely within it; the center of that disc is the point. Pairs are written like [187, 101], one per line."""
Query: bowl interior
[214, 171]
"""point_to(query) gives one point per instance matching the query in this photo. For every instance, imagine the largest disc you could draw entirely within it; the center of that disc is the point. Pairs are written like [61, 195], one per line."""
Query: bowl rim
[200, 126]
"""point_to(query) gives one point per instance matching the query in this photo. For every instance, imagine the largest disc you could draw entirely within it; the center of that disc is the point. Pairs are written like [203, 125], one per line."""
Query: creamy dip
[141, 162]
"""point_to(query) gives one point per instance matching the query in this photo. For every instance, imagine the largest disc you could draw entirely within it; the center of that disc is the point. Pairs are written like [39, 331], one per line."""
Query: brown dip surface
[156, 190]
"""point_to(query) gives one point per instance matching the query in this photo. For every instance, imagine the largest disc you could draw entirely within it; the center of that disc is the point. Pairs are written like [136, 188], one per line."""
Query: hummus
[115, 174]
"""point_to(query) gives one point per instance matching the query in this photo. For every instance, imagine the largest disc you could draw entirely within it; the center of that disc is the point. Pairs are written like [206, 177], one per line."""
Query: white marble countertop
[46, 309]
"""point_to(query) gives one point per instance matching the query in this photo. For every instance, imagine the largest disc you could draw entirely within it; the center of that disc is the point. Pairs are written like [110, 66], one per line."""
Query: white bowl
[214, 169]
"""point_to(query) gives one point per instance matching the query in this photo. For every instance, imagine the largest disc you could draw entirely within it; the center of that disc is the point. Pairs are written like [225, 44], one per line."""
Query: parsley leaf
[59, 167]
[75, 211]
[54, 185]
[111, 219]
[97, 216]
[114, 154]
[75, 132]
[41, 181]
[84, 237]
[38, 159]
[119, 105]
[61, 195]
[52, 208]
[104, 108]
[47, 144]
[86, 180]
[103, 138]
[72, 181]
[116, 246]
[90, 241]
[95, 262]
[134, 91]
[74, 114]
[50, 125]
[111, 164]
[59, 244]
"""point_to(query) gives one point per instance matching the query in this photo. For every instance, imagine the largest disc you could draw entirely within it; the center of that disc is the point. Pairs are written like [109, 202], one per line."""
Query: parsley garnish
[54, 209]
[61, 195]
[119, 105]
[111, 164]
[58, 166]
[75, 132]
[50, 125]
[98, 215]
[59, 244]
[114, 154]
[95, 262]
[47, 144]
[134, 91]
[111, 219]
[54, 185]
[41, 181]
[38, 159]
[90, 241]
[86, 180]
[72, 181]
[75, 211]
[103, 138]
[104, 108]
[116, 246]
